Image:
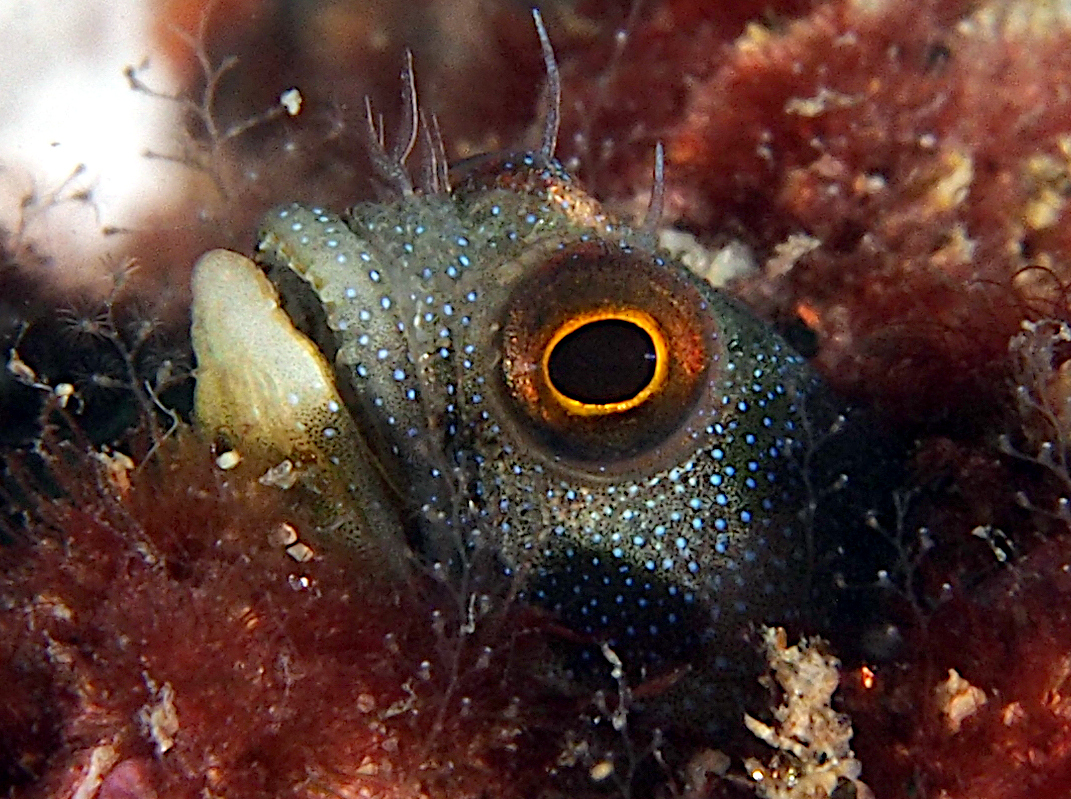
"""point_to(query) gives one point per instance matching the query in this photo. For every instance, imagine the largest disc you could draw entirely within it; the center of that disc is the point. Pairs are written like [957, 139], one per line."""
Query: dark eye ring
[605, 349]
[605, 361]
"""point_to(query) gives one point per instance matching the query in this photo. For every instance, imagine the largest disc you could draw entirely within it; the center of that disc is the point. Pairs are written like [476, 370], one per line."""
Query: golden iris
[605, 361]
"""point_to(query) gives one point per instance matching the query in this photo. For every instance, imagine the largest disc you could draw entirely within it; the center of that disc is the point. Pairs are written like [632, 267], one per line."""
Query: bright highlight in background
[65, 102]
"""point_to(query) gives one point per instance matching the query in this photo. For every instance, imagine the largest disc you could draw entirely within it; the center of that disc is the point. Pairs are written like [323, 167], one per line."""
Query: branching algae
[488, 377]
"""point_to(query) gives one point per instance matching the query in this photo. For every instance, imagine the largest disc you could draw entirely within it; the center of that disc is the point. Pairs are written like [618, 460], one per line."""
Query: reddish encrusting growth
[153, 625]
[912, 141]
[1009, 639]
[918, 146]
[923, 150]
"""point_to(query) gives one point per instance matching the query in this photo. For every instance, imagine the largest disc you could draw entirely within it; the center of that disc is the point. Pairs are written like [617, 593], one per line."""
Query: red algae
[914, 158]
[917, 144]
[920, 153]
[160, 641]
[1010, 641]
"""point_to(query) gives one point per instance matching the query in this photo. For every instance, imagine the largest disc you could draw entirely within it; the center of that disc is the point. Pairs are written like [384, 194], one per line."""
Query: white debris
[813, 757]
[958, 700]
[291, 101]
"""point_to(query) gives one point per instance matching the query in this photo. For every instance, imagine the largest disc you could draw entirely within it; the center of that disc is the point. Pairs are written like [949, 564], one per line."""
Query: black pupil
[611, 360]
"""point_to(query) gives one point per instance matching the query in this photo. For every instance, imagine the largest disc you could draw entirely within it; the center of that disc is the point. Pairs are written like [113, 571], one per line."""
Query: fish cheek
[345, 294]
[663, 515]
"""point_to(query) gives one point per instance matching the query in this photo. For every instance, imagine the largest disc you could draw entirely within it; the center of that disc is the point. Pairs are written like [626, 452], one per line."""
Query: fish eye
[606, 362]
[605, 350]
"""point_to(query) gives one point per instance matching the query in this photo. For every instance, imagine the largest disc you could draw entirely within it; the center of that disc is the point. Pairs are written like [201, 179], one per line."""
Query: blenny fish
[487, 367]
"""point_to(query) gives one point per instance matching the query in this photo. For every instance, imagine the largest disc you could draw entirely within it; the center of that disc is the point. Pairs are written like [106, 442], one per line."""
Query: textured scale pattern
[663, 529]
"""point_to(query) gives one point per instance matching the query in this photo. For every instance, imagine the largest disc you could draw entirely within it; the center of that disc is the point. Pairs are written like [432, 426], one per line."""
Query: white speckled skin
[665, 531]
[664, 521]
